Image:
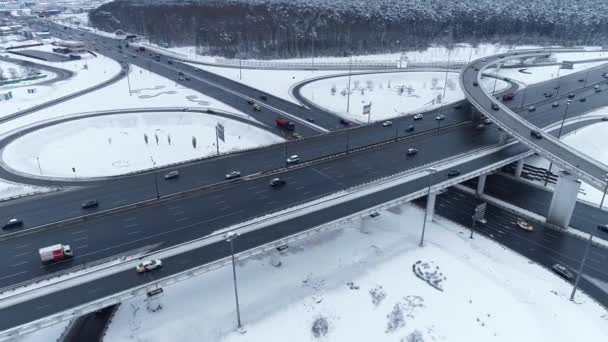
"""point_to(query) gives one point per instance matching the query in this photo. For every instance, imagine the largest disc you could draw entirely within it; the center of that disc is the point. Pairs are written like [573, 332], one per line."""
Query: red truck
[55, 253]
[284, 124]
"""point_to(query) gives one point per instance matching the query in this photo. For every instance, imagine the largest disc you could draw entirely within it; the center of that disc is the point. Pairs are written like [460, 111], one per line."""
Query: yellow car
[525, 226]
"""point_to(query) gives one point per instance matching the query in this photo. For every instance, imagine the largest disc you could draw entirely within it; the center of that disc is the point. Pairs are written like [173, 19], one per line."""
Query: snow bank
[357, 284]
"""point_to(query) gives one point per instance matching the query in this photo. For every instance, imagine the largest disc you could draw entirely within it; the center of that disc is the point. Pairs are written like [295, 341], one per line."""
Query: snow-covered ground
[358, 282]
[8, 189]
[543, 73]
[11, 71]
[118, 144]
[88, 71]
[48, 334]
[390, 94]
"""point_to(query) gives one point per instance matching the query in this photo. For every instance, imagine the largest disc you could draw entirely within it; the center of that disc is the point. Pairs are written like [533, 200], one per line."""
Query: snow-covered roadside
[12, 71]
[359, 281]
[87, 72]
[48, 334]
[118, 144]
[391, 94]
[9, 190]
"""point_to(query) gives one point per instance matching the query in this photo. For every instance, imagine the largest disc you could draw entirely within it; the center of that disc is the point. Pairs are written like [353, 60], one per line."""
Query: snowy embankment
[88, 71]
[357, 284]
[10, 190]
[11, 72]
[119, 144]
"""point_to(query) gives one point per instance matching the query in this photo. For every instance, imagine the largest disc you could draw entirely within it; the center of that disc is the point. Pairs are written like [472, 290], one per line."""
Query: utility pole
[39, 168]
[559, 135]
[447, 69]
[580, 269]
[240, 69]
[605, 188]
[128, 80]
[428, 196]
[350, 69]
[230, 237]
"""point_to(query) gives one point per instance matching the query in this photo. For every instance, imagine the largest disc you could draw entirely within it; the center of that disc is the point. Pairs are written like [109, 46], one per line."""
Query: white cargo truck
[55, 253]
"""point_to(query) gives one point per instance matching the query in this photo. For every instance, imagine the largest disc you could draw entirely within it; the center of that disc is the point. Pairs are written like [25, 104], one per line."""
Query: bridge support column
[564, 199]
[481, 184]
[519, 167]
[430, 206]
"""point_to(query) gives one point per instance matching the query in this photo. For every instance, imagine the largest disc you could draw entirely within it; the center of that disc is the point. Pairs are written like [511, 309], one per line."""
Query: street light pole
[350, 69]
[447, 69]
[580, 269]
[605, 189]
[428, 196]
[230, 237]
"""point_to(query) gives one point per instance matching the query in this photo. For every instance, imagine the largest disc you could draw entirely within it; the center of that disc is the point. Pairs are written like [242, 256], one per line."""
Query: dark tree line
[299, 28]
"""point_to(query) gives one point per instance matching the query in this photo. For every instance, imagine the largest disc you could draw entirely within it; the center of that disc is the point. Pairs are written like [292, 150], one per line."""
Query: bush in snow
[320, 327]
[429, 273]
[378, 294]
[333, 90]
[415, 336]
[395, 319]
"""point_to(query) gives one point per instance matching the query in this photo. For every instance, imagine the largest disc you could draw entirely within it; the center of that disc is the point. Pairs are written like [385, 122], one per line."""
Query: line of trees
[299, 28]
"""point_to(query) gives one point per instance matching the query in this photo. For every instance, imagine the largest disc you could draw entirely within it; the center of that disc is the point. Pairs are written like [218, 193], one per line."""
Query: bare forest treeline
[299, 28]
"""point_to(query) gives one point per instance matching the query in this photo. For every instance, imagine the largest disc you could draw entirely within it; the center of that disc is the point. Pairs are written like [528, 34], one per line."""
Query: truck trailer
[55, 253]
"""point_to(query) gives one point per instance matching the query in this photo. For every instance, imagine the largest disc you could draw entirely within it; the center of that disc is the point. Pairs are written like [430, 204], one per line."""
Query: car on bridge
[13, 223]
[536, 134]
[555, 104]
[531, 109]
[418, 117]
[148, 265]
[294, 159]
[277, 183]
[440, 117]
[172, 175]
[582, 99]
[412, 151]
[603, 227]
[495, 106]
[344, 122]
[562, 271]
[90, 204]
[410, 128]
[524, 225]
[571, 95]
[508, 97]
[387, 123]
[257, 107]
[453, 173]
[233, 174]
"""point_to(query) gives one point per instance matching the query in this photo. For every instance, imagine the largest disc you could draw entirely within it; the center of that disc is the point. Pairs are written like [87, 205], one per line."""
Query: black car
[458, 106]
[571, 95]
[13, 223]
[603, 227]
[90, 204]
[495, 106]
[582, 99]
[475, 84]
[410, 128]
[310, 119]
[263, 97]
[536, 134]
[250, 101]
[344, 122]
[453, 173]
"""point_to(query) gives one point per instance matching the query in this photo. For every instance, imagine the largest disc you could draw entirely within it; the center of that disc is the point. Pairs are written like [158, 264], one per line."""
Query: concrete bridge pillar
[481, 184]
[519, 167]
[564, 199]
[430, 206]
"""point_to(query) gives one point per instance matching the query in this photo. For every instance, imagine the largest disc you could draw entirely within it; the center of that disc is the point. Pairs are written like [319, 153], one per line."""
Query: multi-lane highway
[164, 223]
[576, 85]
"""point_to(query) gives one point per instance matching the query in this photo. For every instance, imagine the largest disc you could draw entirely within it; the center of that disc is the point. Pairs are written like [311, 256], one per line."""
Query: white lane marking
[13, 275]
[174, 208]
[79, 232]
[19, 263]
[272, 202]
[83, 246]
[22, 246]
[261, 191]
[132, 218]
[300, 188]
[220, 202]
[181, 219]
[81, 238]
[21, 254]
[131, 225]
[177, 213]
[225, 208]
[134, 232]
[43, 306]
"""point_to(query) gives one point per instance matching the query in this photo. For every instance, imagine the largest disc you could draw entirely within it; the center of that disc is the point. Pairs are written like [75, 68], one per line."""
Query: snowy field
[10, 71]
[357, 284]
[88, 71]
[118, 144]
[391, 94]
